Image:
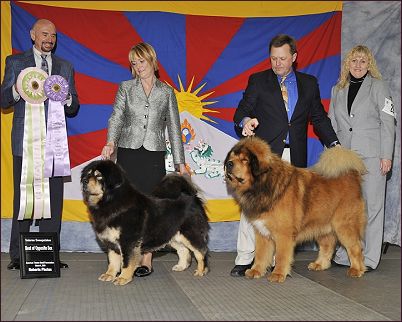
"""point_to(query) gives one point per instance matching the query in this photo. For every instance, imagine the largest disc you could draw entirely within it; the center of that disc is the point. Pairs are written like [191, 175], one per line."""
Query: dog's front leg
[130, 262]
[113, 267]
[284, 258]
[264, 249]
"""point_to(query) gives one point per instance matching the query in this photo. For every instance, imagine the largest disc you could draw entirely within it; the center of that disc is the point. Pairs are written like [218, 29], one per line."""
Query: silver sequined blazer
[138, 120]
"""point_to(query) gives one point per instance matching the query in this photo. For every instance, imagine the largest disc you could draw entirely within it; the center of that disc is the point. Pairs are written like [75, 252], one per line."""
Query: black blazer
[14, 65]
[263, 100]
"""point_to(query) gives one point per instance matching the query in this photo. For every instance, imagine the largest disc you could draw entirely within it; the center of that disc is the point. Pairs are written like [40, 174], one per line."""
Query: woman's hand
[183, 170]
[107, 151]
[385, 166]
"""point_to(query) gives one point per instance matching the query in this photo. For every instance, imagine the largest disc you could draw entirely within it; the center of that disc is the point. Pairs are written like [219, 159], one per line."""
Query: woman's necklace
[358, 81]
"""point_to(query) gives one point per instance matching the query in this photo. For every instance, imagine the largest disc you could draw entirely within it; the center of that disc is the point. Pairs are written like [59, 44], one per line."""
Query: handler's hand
[107, 151]
[183, 170]
[385, 166]
[249, 127]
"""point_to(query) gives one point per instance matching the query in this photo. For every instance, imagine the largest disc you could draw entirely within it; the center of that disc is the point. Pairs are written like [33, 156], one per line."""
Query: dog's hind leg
[202, 269]
[326, 245]
[184, 256]
[351, 241]
[113, 267]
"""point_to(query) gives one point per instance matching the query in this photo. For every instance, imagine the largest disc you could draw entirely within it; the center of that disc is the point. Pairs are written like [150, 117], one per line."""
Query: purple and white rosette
[56, 88]
[56, 150]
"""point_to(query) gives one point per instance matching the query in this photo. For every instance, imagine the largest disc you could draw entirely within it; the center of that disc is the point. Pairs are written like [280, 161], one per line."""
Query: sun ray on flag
[188, 100]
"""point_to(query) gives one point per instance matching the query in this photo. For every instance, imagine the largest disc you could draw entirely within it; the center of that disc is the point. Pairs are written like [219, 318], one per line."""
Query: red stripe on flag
[199, 29]
[324, 41]
[94, 91]
[85, 147]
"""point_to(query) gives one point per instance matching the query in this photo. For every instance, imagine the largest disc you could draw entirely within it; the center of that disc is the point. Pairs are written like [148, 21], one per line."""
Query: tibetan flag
[206, 51]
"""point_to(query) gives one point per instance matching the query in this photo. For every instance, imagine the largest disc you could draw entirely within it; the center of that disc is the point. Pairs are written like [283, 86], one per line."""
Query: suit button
[146, 105]
[145, 116]
[284, 141]
[352, 115]
[145, 126]
[350, 130]
[289, 124]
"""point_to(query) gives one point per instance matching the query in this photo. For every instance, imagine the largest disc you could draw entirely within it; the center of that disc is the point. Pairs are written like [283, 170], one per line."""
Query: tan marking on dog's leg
[113, 268]
[284, 258]
[355, 253]
[326, 246]
[199, 256]
[264, 250]
[350, 239]
[126, 275]
[184, 256]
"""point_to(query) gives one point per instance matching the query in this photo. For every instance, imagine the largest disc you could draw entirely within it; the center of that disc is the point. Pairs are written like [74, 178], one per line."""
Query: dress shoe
[14, 265]
[63, 265]
[240, 270]
[369, 269]
[143, 271]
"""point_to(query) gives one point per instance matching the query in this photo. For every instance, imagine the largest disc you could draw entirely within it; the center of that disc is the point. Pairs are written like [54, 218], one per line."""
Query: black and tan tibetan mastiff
[130, 223]
[287, 205]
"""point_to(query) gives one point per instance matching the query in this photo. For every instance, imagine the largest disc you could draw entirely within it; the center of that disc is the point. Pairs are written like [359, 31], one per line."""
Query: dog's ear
[257, 167]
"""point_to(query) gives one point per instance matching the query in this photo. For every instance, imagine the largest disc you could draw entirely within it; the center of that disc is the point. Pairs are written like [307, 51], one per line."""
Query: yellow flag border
[241, 9]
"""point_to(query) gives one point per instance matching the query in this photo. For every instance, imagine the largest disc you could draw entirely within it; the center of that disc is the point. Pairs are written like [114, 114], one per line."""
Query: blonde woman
[362, 114]
[143, 109]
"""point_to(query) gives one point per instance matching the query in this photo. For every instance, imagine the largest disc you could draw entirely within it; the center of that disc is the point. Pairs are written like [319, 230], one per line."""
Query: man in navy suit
[43, 35]
[282, 123]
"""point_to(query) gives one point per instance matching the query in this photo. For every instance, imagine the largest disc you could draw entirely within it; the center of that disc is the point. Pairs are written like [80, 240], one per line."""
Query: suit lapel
[363, 92]
[29, 60]
[56, 66]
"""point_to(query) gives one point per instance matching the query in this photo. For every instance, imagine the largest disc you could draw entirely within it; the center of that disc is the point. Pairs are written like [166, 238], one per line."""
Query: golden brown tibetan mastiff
[130, 223]
[287, 205]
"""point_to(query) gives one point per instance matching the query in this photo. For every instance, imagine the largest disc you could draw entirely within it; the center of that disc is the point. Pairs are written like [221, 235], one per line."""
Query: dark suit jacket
[263, 100]
[14, 65]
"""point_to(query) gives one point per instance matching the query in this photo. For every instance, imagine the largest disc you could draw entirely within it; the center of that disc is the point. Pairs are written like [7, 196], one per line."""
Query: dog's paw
[178, 268]
[200, 273]
[106, 277]
[122, 281]
[278, 278]
[353, 272]
[314, 266]
[253, 273]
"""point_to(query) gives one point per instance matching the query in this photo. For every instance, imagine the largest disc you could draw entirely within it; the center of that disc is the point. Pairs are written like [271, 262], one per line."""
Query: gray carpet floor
[178, 296]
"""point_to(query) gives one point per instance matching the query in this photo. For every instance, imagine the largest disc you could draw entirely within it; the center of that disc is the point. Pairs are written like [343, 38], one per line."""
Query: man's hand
[249, 127]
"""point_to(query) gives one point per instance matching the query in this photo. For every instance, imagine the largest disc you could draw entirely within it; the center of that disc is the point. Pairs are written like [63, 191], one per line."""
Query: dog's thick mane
[271, 179]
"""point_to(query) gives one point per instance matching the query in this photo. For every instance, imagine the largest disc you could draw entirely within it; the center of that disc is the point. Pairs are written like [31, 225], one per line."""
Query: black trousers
[53, 224]
[145, 169]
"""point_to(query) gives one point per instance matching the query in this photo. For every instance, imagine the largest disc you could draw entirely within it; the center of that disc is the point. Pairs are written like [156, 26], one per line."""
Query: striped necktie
[285, 93]
[44, 66]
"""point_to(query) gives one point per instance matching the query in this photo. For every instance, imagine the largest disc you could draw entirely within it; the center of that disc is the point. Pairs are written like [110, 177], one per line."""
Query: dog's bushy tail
[337, 161]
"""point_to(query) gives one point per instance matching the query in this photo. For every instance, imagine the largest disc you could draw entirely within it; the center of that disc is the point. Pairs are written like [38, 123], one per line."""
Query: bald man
[43, 35]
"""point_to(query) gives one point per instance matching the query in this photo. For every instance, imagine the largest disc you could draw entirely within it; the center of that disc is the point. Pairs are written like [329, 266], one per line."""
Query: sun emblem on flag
[190, 102]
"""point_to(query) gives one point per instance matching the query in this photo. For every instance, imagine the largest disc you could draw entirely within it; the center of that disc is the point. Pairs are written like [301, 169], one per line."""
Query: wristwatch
[335, 143]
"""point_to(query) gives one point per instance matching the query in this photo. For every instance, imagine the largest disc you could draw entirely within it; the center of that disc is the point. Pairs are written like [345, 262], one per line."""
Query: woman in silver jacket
[143, 109]
[362, 115]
